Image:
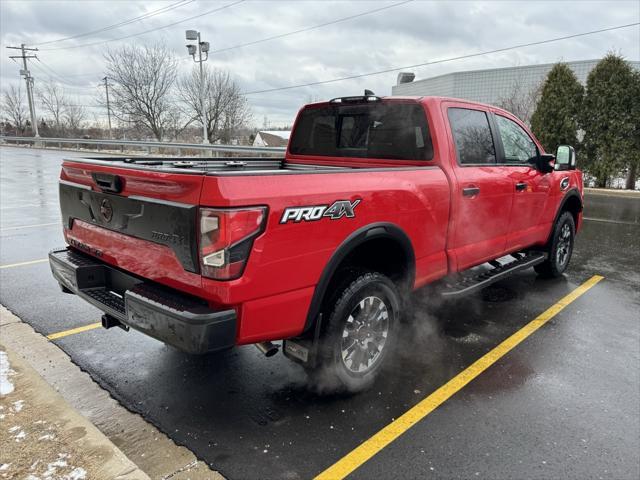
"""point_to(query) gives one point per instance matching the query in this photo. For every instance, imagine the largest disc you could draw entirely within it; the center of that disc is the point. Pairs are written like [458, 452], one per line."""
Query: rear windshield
[373, 130]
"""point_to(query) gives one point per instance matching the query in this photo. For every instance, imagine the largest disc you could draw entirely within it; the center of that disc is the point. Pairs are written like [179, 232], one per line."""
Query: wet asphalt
[564, 404]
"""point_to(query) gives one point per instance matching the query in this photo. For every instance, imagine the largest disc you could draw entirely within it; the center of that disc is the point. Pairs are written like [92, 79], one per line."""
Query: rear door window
[472, 136]
[373, 130]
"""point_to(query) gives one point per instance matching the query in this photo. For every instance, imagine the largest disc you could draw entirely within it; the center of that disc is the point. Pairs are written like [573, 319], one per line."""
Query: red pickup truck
[374, 198]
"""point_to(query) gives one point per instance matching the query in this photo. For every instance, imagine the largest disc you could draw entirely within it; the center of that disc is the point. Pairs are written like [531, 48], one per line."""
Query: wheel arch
[572, 202]
[355, 246]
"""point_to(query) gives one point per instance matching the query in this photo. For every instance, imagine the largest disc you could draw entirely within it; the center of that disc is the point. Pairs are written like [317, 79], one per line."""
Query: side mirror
[565, 158]
[542, 162]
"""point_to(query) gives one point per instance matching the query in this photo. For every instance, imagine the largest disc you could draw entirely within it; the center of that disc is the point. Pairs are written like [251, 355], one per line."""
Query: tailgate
[142, 221]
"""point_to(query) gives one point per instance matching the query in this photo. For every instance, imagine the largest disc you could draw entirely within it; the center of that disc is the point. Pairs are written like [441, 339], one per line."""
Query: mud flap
[304, 350]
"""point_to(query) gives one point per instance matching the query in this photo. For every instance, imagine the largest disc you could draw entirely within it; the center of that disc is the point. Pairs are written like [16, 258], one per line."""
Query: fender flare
[355, 239]
[574, 192]
[570, 193]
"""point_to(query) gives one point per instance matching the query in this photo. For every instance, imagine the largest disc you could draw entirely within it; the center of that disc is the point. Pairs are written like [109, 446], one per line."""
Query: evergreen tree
[634, 161]
[556, 118]
[610, 118]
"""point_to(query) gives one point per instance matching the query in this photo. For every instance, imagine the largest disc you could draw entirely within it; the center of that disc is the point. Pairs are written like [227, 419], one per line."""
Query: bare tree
[227, 108]
[14, 109]
[521, 99]
[74, 117]
[143, 79]
[53, 101]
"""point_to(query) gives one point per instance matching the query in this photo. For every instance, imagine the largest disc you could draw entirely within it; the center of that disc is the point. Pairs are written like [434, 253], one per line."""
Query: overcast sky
[405, 34]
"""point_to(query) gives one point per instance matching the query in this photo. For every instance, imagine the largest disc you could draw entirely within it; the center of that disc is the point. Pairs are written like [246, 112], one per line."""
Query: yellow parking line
[66, 333]
[22, 264]
[350, 462]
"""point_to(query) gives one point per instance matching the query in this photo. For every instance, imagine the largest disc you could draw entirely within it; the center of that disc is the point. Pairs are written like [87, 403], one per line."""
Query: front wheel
[560, 247]
[359, 335]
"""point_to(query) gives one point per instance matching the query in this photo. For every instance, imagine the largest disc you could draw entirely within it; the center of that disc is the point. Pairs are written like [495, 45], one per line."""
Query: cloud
[411, 33]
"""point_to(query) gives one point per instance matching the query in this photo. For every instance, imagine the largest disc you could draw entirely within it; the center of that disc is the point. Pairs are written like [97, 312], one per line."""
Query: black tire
[358, 310]
[560, 248]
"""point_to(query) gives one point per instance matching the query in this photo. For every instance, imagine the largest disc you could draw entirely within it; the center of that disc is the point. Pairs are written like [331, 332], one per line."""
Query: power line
[94, 74]
[58, 76]
[314, 27]
[153, 13]
[53, 75]
[150, 30]
[444, 60]
[81, 105]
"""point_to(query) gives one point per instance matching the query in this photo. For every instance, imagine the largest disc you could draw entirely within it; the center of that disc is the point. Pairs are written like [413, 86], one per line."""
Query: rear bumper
[185, 322]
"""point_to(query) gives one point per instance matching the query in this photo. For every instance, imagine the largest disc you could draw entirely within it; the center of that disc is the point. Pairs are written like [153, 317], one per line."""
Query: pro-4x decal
[312, 213]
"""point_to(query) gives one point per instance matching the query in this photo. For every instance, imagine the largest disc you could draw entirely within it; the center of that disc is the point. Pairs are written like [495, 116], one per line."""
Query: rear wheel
[560, 247]
[359, 334]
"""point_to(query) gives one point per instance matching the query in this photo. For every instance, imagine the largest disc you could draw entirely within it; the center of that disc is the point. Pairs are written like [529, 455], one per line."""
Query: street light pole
[106, 87]
[203, 47]
[205, 133]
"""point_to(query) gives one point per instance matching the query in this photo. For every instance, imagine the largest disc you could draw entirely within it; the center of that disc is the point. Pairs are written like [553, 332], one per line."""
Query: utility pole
[29, 81]
[106, 87]
[203, 47]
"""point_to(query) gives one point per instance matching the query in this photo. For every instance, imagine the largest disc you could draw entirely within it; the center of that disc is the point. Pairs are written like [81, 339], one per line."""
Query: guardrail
[41, 142]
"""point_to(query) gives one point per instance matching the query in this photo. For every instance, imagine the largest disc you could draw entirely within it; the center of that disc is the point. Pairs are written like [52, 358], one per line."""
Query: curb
[611, 192]
[51, 435]
[149, 449]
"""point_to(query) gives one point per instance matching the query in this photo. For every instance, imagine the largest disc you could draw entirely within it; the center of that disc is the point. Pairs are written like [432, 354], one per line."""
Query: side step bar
[469, 284]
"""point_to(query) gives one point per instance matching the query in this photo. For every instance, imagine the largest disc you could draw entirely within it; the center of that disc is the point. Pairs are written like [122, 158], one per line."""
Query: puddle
[498, 294]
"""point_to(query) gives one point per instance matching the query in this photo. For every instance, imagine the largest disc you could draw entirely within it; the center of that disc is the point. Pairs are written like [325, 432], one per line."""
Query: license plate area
[93, 276]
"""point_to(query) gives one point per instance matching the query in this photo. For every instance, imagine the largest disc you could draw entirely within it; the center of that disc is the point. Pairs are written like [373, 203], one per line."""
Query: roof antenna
[368, 93]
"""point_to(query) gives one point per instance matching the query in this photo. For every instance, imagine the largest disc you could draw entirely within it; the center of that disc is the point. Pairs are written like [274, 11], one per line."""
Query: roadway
[563, 403]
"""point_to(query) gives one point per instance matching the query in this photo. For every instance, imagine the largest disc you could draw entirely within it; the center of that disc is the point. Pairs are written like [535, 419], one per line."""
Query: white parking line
[23, 264]
[30, 205]
[29, 226]
[605, 220]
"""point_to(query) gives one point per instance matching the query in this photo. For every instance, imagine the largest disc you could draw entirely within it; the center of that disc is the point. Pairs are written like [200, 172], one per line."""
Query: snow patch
[52, 473]
[77, 473]
[6, 387]
[18, 405]
[53, 466]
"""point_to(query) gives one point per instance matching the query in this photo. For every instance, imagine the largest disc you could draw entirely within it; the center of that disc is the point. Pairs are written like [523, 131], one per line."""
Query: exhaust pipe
[109, 322]
[267, 348]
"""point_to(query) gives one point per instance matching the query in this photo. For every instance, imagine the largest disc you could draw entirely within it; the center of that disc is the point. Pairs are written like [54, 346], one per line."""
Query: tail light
[226, 238]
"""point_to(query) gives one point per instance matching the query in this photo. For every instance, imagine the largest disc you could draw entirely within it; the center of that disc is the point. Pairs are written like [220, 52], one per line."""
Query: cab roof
[407, 98]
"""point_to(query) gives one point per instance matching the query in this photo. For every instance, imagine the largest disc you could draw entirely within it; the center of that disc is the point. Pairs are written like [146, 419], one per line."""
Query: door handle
[521, 186]
[470, 191]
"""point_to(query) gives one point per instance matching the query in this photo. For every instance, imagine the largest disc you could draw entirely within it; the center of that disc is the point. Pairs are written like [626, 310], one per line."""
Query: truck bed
[206, 166]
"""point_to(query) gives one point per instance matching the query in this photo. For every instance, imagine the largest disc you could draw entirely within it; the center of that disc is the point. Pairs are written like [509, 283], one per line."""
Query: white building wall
[490, 86]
